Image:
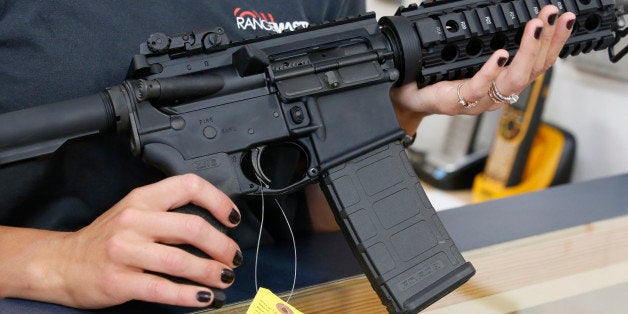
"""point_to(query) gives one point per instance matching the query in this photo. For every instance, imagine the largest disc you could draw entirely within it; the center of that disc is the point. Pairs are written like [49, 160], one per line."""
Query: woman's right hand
[112, 260]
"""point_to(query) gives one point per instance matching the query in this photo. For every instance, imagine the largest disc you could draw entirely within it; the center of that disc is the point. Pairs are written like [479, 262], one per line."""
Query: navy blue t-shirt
[59, 50]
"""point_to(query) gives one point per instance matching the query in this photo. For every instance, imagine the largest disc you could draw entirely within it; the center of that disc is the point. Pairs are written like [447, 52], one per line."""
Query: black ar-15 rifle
[196, 102]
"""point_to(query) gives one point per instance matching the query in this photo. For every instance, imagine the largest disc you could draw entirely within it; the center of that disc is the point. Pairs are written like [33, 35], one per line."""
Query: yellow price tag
[266, 302]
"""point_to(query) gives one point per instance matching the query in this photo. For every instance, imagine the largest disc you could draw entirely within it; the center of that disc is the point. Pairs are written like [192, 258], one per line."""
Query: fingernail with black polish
[219, 298]
[570, 24]
[552, 19]
[227, 275]
[204, 296]
[537, 32]
[237, 259]
[502, 61]
[234, 216]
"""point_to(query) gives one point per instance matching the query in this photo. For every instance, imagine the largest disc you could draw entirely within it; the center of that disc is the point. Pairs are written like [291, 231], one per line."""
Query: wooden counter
[528, 273]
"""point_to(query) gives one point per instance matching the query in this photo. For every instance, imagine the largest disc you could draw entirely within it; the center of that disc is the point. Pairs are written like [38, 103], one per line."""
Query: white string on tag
[294, 246]
[259, 239]
[259, 235]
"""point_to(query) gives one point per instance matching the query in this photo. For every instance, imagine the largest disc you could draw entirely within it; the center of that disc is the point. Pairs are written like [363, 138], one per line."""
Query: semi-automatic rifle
[197, 102]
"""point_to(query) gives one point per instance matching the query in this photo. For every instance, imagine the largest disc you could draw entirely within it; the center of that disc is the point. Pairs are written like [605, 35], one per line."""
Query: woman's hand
[541, 43]
[112, 260]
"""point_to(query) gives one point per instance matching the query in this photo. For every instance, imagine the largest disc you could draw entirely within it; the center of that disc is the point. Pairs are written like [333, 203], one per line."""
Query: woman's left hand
[541, 43]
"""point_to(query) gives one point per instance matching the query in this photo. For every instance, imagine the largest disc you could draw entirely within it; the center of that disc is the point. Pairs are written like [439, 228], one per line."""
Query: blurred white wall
[592, 103]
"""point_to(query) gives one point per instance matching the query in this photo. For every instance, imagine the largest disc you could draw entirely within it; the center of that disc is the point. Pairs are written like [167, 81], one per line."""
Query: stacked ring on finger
[497, 97]
[463, 102]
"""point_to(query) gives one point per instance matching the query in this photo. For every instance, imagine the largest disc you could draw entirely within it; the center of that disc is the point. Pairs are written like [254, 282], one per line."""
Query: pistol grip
[170, 162]
[394, 231]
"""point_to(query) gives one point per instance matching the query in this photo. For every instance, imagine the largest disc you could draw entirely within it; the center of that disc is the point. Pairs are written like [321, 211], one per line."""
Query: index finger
[517, 76]
[564, 27]
[176, 191]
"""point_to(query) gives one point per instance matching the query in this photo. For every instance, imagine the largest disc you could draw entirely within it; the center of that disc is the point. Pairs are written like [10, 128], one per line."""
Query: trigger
[256, 154]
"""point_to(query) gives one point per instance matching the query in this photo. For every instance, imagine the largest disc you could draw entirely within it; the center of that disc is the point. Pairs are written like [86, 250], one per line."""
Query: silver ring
[463, 102]
[497, 97]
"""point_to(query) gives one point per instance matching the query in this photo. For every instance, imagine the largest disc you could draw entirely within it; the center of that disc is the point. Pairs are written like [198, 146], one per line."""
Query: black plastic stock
[41, 130]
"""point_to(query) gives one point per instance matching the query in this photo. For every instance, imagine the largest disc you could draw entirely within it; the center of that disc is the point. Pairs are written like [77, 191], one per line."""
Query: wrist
[30, 268]
[409, 120]
[409, 108]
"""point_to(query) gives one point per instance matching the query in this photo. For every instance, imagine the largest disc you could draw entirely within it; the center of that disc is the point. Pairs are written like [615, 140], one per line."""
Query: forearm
[29, 265]
[408, 120]
[404, 99]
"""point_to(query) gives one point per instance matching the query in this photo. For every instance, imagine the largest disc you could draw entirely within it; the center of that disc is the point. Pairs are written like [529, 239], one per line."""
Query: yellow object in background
[540, 170]
[266, 302]
[515, 134]
[527, 155]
